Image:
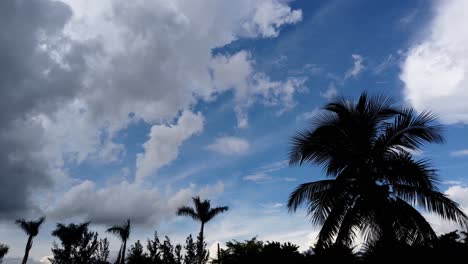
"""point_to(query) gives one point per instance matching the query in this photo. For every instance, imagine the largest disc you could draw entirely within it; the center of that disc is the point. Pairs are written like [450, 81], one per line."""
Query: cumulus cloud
[269, 16]
[163, 145]
[435, 70]
[229, 145]
[145, 205]
[358, 67]
[77, 72]
[236, 72]
[30, 79]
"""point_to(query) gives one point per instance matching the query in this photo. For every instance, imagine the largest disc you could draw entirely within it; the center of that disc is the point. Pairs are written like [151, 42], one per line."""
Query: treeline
[87, 248]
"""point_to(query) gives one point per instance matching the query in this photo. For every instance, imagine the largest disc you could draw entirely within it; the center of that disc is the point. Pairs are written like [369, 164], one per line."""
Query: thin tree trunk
[200, 247]
[26, 250]
[123, 252]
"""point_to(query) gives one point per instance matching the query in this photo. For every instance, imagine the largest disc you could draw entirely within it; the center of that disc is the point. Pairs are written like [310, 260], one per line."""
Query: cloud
[163, 145]
[357, 68]
[459, 153]
[306, 116]
[257, 177]
[31, 79]
[229, 146]
[435, 70]
[236, 72]
[330, 93]
[269, 16]
[107, 205]
[76, 72]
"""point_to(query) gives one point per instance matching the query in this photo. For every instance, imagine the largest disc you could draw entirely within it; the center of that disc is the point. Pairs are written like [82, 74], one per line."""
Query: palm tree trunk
[26, 250]
[200, 246]
[122, 261]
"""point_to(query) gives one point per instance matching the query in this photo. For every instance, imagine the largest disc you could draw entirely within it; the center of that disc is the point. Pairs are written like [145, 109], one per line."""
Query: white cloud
[257, 177]
[459, 153]
[230, 145]
[236, 72]
[308, 115]
[330, 93]
[358, 67]
[144, 205]
[165, 140]
[269, 16]
[435, 71]
[290, 179]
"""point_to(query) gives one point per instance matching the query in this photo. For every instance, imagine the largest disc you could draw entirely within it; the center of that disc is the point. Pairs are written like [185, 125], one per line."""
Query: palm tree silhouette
[203, 213]
[31, 228]
[70, 235]
[366, 148]
[3, 251]
[123, 232]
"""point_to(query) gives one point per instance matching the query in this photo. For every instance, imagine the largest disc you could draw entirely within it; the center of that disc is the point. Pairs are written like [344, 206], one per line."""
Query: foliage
[203, 213]
[190, 251]
[31, 228]
[366, 149]
[3, 251]
[79, 246]
[255, 251]
[123, 232]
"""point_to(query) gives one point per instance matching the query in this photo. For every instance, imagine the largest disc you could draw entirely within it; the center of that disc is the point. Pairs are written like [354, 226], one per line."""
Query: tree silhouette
[80, 246]
[3, 251]
[203, 213]
[31, 228]
[123, 232]
[70, 236]
[366, 149]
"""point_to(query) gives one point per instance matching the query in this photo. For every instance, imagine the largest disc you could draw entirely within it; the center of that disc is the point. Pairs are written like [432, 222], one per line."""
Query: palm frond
[432, 201]
[304, 192]
[410, 131]
[188, 211]
[215, 211]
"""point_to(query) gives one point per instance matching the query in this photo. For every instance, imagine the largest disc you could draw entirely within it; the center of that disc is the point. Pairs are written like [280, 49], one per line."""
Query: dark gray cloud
[30, 81]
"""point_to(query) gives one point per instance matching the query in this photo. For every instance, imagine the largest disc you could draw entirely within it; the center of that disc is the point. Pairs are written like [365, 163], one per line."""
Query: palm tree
[203, 213]
[366, 149]
[123, 232]
[31, 228]
[70, 235]
[3, 251]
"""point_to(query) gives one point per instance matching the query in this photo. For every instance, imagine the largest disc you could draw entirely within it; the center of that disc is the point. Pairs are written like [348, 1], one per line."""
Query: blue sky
[136, 107]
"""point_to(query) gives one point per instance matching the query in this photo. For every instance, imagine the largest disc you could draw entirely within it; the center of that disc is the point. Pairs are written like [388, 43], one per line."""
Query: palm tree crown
[123, 232]
[31, 228]
[202, 211]
[366, 149]
[70, 234]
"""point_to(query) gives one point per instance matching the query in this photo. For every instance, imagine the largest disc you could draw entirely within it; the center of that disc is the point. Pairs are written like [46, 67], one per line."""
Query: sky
[120, 109]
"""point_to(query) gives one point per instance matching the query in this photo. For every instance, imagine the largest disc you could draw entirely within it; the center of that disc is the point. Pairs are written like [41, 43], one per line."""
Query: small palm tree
[366, 149]
[203, 213]
[123, 232]
[3, 251]
[31, 228]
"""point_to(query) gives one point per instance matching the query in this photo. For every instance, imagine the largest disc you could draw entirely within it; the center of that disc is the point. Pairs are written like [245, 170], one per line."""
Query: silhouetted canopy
[366, 148]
